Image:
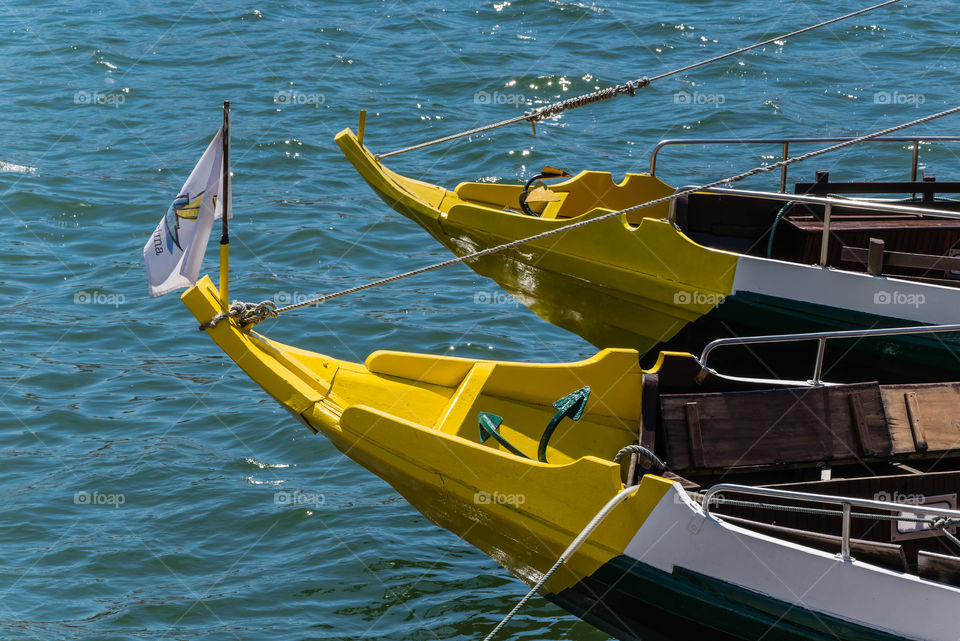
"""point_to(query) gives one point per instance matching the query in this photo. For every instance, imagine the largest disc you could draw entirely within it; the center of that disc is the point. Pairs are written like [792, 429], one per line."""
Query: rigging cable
[250, 314]
[629, 88]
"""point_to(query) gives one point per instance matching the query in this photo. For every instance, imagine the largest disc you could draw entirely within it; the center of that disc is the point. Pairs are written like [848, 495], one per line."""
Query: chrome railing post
[916, 163]
[820, 337]
[722, 490]
[846, 203]
[916, 159]
[818, 365]
[845, 545]
[825, 242]
[783, 169]
[656, 150]
[785, 143]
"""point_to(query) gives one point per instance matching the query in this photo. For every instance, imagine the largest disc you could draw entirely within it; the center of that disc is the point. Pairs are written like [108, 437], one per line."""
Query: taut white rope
[628, 88]
[571, 549]
[250, 314]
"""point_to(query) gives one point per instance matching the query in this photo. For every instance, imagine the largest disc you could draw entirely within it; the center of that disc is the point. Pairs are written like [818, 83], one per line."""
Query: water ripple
[149, 485]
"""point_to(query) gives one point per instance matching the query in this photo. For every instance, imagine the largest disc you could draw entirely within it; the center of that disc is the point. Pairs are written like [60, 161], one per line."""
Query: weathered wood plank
[936, 415]
[916, 427]
[694, 434]
[860, 425]
[938, 567]
[798, 237]
[875, 256]
[773, 427]
[896, 259]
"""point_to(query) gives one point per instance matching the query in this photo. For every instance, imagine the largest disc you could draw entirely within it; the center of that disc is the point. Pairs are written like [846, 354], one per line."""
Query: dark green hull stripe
[631, 600]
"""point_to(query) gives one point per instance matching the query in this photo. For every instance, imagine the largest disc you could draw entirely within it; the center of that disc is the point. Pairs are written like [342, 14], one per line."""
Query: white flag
[174, 252]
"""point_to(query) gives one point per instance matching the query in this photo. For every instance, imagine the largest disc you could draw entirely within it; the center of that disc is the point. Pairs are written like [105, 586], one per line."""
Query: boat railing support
[828, 204]
[820, 337]
[905, 511]
[785, 147]
[845, 533]
[851, 203]
[825, 241]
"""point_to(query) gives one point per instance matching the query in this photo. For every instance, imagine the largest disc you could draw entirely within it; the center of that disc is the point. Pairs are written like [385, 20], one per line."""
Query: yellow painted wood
[455, 418]
[448, 371]
[644, 276]
[412, 420]
[225, 275]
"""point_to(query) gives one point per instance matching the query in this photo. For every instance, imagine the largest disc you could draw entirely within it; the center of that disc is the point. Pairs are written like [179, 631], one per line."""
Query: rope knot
[648, 460]
[247, 314]
[631, 86]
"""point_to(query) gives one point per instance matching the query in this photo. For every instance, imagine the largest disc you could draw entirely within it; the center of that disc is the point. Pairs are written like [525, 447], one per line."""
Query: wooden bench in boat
[938, 567]
[912, 245]
[774, 428]
[798, 427]
[897, 443]
[923, 419]
[799, 236]
[878, 260]
[927, 188]
[879, 541]
[937, 488]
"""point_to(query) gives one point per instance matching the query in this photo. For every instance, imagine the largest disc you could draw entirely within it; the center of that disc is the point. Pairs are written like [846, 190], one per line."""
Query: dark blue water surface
[141, 467]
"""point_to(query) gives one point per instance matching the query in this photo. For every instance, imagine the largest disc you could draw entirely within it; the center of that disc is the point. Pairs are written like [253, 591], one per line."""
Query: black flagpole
[225, 219]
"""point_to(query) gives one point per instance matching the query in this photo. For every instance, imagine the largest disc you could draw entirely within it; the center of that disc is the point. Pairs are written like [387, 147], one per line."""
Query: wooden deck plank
[694, 434]
[773, 427]
[938, 567]
[925, 413]
[860, 425]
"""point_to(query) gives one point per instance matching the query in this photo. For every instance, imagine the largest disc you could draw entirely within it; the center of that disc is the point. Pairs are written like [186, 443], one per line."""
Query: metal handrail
[844, 501]
[828, 203]
[786, 142]
[821, 338]
[852, 203]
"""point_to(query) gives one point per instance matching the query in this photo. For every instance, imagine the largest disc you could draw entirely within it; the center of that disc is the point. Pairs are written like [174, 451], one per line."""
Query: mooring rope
[570, 551]
[657, 466]
[245, 313]
[628, 88]
[252, 314]
[942, 524]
